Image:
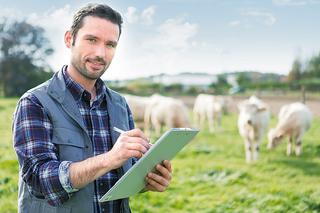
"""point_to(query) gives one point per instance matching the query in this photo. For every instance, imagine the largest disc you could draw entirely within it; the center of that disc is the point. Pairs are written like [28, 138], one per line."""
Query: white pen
[120, 131]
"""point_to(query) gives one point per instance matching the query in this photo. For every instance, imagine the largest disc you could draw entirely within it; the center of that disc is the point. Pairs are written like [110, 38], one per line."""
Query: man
[68, 154]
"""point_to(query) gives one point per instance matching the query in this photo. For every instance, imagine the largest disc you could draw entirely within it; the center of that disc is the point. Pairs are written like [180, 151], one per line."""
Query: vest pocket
[70, 144]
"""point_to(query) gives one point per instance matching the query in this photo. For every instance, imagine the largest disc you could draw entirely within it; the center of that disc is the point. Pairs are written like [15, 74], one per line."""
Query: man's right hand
[130, 144]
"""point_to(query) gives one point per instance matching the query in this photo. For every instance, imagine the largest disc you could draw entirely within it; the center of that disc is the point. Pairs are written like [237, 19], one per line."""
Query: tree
[221, 86]
[313, 67]
[243, 79]
[23, 52]
[295, 72]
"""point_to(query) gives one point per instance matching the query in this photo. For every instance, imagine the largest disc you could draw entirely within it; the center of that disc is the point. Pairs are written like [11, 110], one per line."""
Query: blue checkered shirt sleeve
[64, 177]
[37, 155]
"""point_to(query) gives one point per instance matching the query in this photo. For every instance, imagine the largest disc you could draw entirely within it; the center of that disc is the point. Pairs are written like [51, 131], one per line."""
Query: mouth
[96, 65]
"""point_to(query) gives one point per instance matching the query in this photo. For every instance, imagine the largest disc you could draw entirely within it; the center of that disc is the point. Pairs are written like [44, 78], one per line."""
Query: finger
[142, 141]
[154, 185]
[164, 172]
[134, 153]
[159, 179]
[168, 165]
[137, 133]
[136, 147]
[150, 187]
[139, 140]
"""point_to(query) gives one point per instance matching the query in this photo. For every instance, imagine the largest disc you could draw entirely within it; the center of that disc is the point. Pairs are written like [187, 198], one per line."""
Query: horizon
[174, 36]
[194, 73]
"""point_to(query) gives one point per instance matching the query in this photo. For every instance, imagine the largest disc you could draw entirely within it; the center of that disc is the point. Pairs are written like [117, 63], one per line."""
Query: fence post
[303, 94]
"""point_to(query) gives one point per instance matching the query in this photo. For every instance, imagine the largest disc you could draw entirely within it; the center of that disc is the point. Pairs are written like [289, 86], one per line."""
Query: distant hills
[205, 79]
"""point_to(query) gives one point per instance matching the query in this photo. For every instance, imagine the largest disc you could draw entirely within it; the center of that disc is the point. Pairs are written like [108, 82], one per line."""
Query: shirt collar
[78, 92]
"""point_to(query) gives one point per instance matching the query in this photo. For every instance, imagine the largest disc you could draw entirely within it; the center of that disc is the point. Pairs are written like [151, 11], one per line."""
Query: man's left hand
[160, 179]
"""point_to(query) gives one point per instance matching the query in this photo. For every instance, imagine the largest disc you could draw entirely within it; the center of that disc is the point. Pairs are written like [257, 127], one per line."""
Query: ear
[68, 39]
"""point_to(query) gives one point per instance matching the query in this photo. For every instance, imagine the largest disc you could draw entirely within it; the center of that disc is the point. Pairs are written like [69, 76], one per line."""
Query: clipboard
[165, 148]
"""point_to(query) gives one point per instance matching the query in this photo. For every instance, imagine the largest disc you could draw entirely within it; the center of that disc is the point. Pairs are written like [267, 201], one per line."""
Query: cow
[165, 112]
[253, 122]
[137, 106]
[293, 121]
[208, 108]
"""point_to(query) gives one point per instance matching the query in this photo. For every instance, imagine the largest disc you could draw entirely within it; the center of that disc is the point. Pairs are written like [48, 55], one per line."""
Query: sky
[175, 36]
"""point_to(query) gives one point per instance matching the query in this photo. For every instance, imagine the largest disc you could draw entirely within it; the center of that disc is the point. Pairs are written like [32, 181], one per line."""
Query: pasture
[210, 174]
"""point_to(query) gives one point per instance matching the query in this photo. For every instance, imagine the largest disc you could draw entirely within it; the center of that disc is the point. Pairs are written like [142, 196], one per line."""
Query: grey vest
[73, 142]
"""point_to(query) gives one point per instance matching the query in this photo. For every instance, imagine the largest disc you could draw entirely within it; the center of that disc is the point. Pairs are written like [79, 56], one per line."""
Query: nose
[100, 51]
[249, 122]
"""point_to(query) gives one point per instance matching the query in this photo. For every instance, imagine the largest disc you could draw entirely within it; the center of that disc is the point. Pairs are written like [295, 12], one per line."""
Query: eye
[111, 45]
[92, 40]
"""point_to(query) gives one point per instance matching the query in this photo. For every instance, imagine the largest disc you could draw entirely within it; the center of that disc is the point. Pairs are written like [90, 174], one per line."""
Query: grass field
[210, 175]
[8, 161]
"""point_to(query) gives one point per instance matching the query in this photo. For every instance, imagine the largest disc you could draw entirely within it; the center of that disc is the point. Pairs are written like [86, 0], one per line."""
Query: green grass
[9, 167]
[210, 174]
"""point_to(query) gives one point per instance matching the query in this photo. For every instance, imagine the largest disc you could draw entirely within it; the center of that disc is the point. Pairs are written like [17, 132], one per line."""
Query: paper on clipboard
[165, 148]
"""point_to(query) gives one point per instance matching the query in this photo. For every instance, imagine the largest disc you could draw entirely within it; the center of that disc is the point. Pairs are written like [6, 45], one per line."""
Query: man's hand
[160, 179]
[130, 144]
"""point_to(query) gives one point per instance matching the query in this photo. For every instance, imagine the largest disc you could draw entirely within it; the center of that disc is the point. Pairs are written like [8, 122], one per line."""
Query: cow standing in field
[208, 108]
[137, 106]
[294, 120]
[253, 122]
[226, 102]
[165, 111]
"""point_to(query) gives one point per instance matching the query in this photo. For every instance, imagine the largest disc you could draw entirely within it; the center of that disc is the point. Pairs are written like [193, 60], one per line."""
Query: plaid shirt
[38, 156]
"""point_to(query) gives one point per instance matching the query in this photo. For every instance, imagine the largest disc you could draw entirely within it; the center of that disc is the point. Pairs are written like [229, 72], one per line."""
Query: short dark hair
[95, 10]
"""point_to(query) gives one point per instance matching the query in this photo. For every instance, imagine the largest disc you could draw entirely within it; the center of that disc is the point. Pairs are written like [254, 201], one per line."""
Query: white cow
[137, 105]
[253, 122]
[165, 111]
[294, 120]
[208, 108]
[226, 102]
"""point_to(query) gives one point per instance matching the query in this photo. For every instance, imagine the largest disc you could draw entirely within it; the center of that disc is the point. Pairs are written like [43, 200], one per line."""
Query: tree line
[23, 53]
[306, 73]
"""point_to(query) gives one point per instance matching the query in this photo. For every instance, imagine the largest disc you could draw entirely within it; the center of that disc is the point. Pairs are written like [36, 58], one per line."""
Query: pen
[120, 131]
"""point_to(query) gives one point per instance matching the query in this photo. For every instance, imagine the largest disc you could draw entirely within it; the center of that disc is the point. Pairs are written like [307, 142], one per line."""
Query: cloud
[10, 13]
[147, 15]
[294, 2]
[174, 34]
[234, 23]
[55, 22]
[132, 15]
[264, 17]
[171, 47]
[251, 17]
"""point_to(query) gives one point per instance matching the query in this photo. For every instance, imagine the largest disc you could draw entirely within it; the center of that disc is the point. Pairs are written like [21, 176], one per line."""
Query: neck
[87, 84]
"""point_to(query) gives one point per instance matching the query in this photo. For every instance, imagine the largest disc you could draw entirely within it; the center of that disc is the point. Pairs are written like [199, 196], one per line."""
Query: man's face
[94, 46]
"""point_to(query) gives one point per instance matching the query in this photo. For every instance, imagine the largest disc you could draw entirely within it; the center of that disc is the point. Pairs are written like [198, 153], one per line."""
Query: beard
[85, 72]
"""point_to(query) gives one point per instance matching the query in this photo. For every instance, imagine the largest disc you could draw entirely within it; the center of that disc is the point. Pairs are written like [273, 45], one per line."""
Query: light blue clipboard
[165, 148]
